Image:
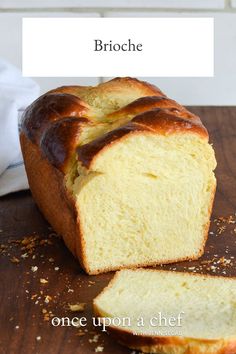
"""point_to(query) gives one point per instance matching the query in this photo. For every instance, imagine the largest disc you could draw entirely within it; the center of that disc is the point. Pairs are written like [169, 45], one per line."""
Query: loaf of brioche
[122, 172]
[168, 312]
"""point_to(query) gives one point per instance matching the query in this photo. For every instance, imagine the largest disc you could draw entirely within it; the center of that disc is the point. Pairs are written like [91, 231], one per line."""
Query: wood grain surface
[31, 253]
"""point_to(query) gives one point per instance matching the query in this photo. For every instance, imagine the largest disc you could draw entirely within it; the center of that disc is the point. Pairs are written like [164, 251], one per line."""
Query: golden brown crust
[121, 83]
[48, 109]
[58, 142]
[157, 121]
[54, 120]
[147, 103]
[48, 190]
[113, 86]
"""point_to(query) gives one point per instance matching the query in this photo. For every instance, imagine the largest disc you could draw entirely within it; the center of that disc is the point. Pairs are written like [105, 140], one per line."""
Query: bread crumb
[38, 338]
[47, 299]
[79, 307]
[47, 315]
[99, 349]
[34, 268]
[80, 333]
[221, 229]
[14, 260]
[94, 339]
[56, 268]
[43, 281]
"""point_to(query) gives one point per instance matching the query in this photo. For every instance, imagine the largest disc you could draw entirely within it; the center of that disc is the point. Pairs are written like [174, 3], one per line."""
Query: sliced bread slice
[170, 312]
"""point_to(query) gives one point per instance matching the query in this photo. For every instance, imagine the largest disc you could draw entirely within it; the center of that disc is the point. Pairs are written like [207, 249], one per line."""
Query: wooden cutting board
[39, 277]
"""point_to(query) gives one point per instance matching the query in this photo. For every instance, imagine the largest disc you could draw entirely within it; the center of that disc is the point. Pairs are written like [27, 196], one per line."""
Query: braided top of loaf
[76, 122]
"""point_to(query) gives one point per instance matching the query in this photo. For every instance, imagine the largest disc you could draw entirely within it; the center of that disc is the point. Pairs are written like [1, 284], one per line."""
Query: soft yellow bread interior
[146, 199]
[207, 304]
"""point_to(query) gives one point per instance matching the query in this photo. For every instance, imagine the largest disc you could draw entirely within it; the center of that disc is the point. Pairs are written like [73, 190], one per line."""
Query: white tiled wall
[100, 4]
[220, 90]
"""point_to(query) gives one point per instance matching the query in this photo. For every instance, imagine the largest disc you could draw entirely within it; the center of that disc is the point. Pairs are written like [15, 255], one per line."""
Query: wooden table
[26, 301]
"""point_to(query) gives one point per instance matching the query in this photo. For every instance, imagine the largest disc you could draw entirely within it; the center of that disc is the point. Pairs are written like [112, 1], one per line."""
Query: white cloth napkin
[16, 93]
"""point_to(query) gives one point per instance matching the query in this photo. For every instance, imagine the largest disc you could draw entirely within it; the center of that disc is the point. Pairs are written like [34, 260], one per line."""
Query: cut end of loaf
[181, 312]
[146, 200]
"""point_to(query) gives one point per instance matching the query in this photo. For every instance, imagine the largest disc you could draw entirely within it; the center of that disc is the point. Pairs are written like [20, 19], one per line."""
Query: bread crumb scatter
[219, 263]
[26, 246]
[79, 307]
[226, 219]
